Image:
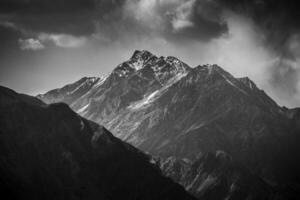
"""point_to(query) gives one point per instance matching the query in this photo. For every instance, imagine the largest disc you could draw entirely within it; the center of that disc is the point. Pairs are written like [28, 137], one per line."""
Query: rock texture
[216, 176]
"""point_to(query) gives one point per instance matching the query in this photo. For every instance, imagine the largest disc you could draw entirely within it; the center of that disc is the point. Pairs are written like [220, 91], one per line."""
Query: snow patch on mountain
[123, 71]
[89, 81]
[234, 85]
[246, 81]
[210, 180]
[190, 186]
[164, 143]
[145, 101]
[149, 98]
[137, 65]
[101, 80]
[135, 140]
[81, 110]
[195, 127]
[176, 78]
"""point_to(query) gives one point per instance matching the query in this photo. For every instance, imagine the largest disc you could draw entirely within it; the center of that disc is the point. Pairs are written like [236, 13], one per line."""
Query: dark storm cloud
[42, 6]
[113, 19]
[207, 15]
[278, 18]
[9, 37]
[206, 19]
[61, 23]
[174, 20]
[74, 17]
[279, 21]
[49, 15]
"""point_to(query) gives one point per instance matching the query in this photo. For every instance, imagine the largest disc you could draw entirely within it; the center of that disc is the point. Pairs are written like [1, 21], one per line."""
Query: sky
[46, 44]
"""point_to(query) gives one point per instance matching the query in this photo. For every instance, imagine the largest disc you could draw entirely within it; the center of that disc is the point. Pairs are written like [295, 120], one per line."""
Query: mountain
[50, 152]
[70, 92]
[170, 110]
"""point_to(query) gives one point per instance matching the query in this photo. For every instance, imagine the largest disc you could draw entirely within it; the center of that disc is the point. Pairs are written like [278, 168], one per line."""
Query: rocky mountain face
[216, 176]
[50, 152]
[166, 108]
[70, 92]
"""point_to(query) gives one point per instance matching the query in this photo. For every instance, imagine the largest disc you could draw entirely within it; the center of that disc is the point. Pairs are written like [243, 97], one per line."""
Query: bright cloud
[63, 40]
[30, 44]
[182, 14]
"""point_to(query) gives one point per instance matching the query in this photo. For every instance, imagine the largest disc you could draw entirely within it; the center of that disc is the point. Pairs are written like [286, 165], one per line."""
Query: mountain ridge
[183, 112]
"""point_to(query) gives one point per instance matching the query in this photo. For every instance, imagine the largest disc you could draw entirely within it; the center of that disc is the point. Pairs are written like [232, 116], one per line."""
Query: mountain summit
[166, 108]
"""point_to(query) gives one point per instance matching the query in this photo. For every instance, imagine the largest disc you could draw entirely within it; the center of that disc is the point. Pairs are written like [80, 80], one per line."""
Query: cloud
[278, 21]
[286, 72]
[34, 40]
[175, 20]
[181, 18]
[45, 6]
[55, 16]
[186, 20]
[256, 38]
[30, 44]
[116, 19]
[241, 52]
[207, 19]
[63, 40]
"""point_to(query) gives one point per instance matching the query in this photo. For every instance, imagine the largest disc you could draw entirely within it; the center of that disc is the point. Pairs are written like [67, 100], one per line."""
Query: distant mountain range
[50, 152]
[219, 132]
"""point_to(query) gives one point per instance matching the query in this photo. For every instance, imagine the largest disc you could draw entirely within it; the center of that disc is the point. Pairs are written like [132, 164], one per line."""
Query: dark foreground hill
[50, 152]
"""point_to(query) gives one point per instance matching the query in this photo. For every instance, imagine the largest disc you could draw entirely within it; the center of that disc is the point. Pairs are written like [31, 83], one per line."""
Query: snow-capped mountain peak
[140, 58]
[141, 54]
[138, 61]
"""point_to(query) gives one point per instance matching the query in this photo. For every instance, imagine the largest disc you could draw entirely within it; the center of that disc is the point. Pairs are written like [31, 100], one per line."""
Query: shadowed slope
[49, 152]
